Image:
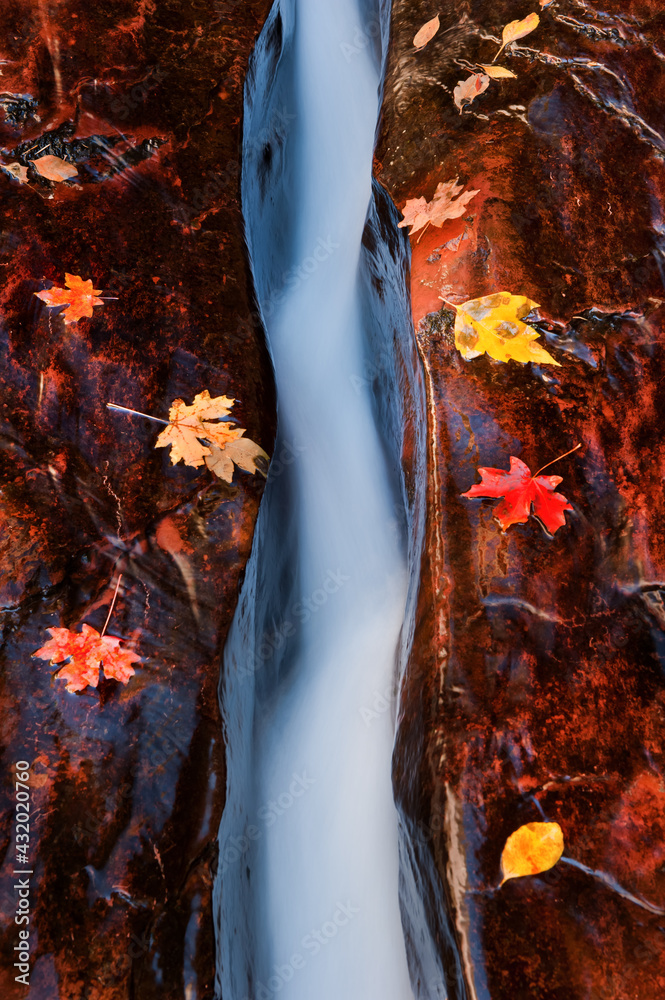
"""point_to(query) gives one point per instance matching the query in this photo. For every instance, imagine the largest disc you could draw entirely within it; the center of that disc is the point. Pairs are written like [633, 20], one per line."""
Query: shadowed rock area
[535, 688]
[145, 100]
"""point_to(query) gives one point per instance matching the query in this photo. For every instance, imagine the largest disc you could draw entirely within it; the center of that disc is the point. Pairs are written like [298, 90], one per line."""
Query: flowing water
[307, 897]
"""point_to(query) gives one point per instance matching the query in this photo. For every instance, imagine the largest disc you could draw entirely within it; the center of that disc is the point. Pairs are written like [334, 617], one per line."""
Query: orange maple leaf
[448, 203]
[79, 297]
[87, 651]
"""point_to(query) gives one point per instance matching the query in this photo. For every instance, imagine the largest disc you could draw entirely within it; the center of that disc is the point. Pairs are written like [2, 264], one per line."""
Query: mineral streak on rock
[537, 671]
[128, 782]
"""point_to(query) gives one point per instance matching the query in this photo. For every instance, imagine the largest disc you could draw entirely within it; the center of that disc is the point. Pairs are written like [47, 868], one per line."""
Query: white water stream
[307, 906]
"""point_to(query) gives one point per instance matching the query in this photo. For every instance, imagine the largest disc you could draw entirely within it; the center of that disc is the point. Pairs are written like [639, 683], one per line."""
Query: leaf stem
[556, 460]
[108, 617]
[449, 303]
[125, 409]
[614, 885]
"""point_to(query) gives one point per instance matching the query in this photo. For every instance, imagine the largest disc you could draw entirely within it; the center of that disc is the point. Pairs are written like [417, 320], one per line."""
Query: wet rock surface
[127, 781]
[535, 687]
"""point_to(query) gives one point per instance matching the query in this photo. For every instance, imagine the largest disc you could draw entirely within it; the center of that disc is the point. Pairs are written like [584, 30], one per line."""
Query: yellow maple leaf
[188, 425]
[197, 435]
[493, 325]
[532, 849]
[242, 451]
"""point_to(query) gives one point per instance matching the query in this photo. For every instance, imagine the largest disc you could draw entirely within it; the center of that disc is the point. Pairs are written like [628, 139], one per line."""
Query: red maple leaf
[521, 491]
[87, 650]
[79, 297]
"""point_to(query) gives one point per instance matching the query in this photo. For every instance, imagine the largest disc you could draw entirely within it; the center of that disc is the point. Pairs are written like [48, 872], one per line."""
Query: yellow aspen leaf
[517, 29]
[467, 90]
[530, 850]
[426, 33]
[494, 325]
[498, 72]
[54, 168]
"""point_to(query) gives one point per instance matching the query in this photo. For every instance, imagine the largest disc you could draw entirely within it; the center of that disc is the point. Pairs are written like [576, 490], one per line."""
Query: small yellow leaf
[426, 33]
[534, 848]
[493, 325]
[53, 168]
[517, 29]
[498, 72]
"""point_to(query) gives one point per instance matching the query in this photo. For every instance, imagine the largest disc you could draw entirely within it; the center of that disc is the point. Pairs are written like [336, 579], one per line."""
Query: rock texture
[535, 688]
[128, 782]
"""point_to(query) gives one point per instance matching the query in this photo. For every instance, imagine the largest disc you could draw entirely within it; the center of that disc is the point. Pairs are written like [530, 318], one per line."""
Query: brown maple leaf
[86, 651]
[79, 297]
[448, 203]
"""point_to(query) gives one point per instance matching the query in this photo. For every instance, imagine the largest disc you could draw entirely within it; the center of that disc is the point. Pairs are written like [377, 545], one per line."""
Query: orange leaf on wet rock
[521, 492]
[86, 651]
[53, 168]
[79, 296]
[426, 33]
[532, 849]
[448, 203]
